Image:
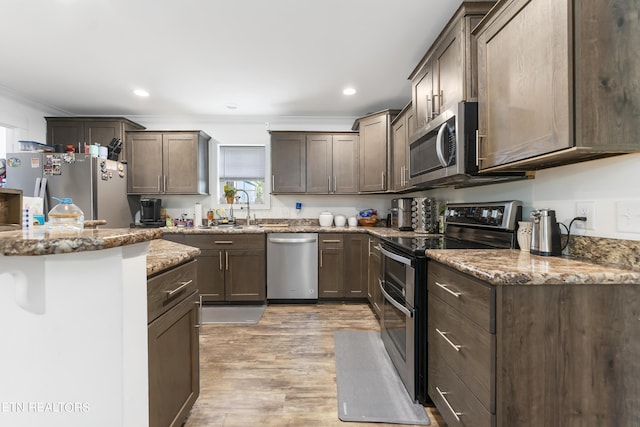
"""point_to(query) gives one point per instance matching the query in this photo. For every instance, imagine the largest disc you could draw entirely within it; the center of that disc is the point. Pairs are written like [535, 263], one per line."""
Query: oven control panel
[501, 215]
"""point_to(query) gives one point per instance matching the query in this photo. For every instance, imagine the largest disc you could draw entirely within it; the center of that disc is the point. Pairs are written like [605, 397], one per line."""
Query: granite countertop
[515, 267]
[37, 242]
[164, 254]
[374, 231]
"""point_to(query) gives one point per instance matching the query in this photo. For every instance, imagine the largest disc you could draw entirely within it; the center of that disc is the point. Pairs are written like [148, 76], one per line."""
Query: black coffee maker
[150, 212]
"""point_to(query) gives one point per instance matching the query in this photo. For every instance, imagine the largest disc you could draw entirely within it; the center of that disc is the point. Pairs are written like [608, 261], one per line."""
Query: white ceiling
[270, 57]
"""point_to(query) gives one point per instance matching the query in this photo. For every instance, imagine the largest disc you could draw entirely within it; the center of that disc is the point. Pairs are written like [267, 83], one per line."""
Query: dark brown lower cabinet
[173, 333]
[342, 266]
[374, 276]
[231, 268]
[561, 355]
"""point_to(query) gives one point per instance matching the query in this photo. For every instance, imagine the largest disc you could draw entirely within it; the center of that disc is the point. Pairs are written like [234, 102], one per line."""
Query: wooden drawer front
[474, 360]
[445, 384]
[470, 296]
[330, 240]
[168, 289]
[223, 241]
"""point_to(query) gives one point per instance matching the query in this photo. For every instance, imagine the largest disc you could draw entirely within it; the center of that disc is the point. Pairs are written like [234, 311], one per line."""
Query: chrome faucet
[248, 207]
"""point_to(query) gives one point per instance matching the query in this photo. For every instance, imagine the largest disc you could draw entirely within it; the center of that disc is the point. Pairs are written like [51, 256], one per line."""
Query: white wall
[23, 119]
[604, 182]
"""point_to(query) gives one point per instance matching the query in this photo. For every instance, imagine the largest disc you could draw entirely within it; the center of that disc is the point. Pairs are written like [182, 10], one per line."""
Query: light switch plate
[628, 216]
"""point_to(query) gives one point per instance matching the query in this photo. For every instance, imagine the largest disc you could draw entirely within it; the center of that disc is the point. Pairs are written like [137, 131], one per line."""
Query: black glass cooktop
[417, 245]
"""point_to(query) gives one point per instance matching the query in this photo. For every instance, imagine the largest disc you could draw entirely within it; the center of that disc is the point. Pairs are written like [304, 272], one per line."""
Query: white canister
[524, 235]
[353, 221]
[103, 152]
[326, 219]
[340, 220]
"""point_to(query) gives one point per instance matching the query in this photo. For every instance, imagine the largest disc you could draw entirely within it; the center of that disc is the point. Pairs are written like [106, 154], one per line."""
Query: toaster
[401, 213]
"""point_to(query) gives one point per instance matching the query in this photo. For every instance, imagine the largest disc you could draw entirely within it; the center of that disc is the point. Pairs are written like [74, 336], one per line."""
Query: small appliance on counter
[401, 213]
[545, 233]
[150, 213]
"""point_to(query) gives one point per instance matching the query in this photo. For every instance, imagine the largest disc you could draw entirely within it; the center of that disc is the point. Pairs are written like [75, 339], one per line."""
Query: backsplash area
[622, 253]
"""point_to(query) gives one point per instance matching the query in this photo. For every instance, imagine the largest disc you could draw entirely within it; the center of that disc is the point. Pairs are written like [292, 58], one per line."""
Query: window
[243, 167]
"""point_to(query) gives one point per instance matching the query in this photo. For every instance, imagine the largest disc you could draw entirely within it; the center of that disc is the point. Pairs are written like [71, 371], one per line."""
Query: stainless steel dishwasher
[292, 267]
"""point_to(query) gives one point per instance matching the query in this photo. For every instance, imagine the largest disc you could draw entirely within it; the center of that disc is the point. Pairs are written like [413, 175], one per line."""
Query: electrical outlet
[586, 209]
[628, 216]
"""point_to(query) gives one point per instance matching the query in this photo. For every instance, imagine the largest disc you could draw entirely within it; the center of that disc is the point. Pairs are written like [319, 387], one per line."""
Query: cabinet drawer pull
[183, 285]
[442, 395]
[446, 288]
[223, 242]
[331, 241]
[444, 335]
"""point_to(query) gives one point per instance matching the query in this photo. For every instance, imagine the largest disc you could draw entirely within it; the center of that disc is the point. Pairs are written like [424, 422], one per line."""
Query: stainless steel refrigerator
[97, 186]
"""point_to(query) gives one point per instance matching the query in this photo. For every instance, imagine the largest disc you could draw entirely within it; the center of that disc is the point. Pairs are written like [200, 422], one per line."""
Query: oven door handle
[395, 257]
[393, 302]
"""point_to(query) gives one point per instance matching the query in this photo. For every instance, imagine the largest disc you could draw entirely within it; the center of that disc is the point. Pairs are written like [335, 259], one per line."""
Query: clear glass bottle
[65, 218]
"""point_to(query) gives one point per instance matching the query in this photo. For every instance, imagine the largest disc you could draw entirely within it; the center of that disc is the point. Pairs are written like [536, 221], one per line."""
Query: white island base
[73, 339]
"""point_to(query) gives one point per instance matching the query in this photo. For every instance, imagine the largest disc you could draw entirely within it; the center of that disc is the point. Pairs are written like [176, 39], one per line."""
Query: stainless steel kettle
[545, 233]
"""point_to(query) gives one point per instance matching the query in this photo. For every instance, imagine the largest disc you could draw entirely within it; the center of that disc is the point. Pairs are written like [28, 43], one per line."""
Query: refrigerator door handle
[36, 189]
[43, 188]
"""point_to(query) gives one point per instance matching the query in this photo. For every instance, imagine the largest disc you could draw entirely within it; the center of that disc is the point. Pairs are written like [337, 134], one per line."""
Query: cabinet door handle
[446, 288]
[159, 184]
[383, 186]
[321, 258]
[273, 183]
[220, 259]
[183, 285]
[199, 318]
[226, 260]
[442, 395]
[433, 105]
[164, 189]
[451, 343]
[329, 184]
[477, 147]
[335, 184]
[441, 98]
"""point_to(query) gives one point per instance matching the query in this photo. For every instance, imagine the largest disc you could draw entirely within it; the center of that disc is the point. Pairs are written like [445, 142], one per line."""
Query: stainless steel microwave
[445, 153]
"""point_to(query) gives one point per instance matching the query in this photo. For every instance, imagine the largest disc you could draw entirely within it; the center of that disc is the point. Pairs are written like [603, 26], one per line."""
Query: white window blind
[237, 163]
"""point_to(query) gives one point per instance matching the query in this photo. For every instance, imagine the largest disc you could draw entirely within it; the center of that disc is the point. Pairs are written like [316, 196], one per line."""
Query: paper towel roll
[197, 217]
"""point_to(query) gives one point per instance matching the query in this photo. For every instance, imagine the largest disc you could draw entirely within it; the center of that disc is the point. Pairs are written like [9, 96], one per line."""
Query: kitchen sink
[236, 227]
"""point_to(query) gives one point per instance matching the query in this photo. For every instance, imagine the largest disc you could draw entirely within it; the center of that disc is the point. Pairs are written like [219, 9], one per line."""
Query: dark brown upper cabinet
[89, 130]
[557, 83]
[447, 73]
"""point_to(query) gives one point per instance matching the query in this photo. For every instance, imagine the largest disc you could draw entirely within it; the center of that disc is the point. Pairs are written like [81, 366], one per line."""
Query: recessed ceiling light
[231, 106]
[141, 92]
[349, 91]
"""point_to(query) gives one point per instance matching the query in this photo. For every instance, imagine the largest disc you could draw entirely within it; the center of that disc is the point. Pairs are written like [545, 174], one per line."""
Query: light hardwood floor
[280, 372]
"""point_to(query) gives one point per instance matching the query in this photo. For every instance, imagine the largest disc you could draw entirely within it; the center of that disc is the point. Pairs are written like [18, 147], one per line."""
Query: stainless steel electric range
[485, 225]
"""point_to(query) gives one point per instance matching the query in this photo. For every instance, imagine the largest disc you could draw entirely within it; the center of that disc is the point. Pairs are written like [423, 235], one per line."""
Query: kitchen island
[74, 315]
[520, 339]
